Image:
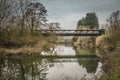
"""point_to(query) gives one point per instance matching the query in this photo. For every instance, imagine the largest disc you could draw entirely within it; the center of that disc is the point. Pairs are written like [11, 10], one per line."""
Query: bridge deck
[73, 32]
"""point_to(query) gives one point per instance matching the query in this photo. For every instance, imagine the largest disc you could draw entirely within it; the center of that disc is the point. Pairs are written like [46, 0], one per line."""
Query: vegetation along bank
[20, 25]
[110, 42]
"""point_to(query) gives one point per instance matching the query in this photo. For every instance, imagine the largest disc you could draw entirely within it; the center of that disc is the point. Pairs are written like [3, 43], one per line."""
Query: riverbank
[41, 45]
[111, 66]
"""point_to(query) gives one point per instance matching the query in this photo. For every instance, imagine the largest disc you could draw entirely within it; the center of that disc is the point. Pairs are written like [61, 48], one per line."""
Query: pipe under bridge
[73, 32]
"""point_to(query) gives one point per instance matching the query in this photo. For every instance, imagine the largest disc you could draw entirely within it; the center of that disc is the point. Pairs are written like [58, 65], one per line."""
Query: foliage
[90, 21]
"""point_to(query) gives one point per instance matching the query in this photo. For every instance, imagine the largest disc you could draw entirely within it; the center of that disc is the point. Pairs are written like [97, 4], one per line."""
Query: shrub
[105, 41]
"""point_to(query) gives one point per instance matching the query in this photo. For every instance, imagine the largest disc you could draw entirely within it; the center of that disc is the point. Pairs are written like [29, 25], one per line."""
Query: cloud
[68, 21]
[68, 12]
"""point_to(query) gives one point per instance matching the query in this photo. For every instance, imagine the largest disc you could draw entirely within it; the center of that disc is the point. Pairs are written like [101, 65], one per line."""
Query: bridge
[73, 32]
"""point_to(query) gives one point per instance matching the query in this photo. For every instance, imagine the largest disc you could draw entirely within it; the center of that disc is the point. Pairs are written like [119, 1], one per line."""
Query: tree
[29, 15]
[90, 21]
[54, 25]
[36, 15]
[81, 22]
[5, 11]
[19, 19]
[114, 20]
[113, 28]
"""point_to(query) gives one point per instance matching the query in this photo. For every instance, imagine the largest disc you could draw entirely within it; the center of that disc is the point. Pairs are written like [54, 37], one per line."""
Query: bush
[105, 42]
[112, 37]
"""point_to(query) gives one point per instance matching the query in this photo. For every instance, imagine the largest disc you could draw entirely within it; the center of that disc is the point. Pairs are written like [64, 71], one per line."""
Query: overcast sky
[68, 12]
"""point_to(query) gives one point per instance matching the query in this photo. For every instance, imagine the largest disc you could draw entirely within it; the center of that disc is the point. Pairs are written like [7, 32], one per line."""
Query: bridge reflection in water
[69, 56]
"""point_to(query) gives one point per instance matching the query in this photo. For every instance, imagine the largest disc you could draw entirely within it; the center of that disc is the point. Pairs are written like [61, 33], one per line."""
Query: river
[59, 63]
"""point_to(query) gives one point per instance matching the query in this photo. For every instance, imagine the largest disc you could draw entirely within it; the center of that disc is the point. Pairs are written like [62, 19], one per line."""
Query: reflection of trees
[101, 52]
[90, 64]
[84, 51]
[22, 68]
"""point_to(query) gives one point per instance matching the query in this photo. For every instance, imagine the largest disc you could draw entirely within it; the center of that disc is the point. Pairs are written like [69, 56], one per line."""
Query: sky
[68, 12]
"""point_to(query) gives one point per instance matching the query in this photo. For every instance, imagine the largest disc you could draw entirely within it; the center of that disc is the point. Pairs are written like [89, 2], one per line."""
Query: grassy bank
[41, 44]
[37, 48]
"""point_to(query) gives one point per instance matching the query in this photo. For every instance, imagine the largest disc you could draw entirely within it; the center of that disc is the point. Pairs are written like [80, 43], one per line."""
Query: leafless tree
[5, 11]
[36, 15]
[114, 27]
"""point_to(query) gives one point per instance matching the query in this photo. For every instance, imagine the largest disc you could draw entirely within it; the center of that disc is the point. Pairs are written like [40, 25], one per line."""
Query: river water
[60, 63]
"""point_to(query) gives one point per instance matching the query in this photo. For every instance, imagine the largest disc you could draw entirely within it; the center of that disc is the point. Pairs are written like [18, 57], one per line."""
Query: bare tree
[36, 15]
[114, 28]
[5, 11]
[54, 25]
[18, 19]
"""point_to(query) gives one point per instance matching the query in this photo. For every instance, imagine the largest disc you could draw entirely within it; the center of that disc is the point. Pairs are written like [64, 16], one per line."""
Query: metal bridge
[74, 32]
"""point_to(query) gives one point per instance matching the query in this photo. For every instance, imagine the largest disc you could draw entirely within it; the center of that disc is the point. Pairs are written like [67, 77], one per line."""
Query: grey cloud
[61, 8]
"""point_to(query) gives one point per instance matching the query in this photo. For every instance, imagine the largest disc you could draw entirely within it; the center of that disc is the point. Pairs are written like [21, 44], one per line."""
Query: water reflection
[34, 67]
[84, 50]
[90, 64]
[22, 68]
